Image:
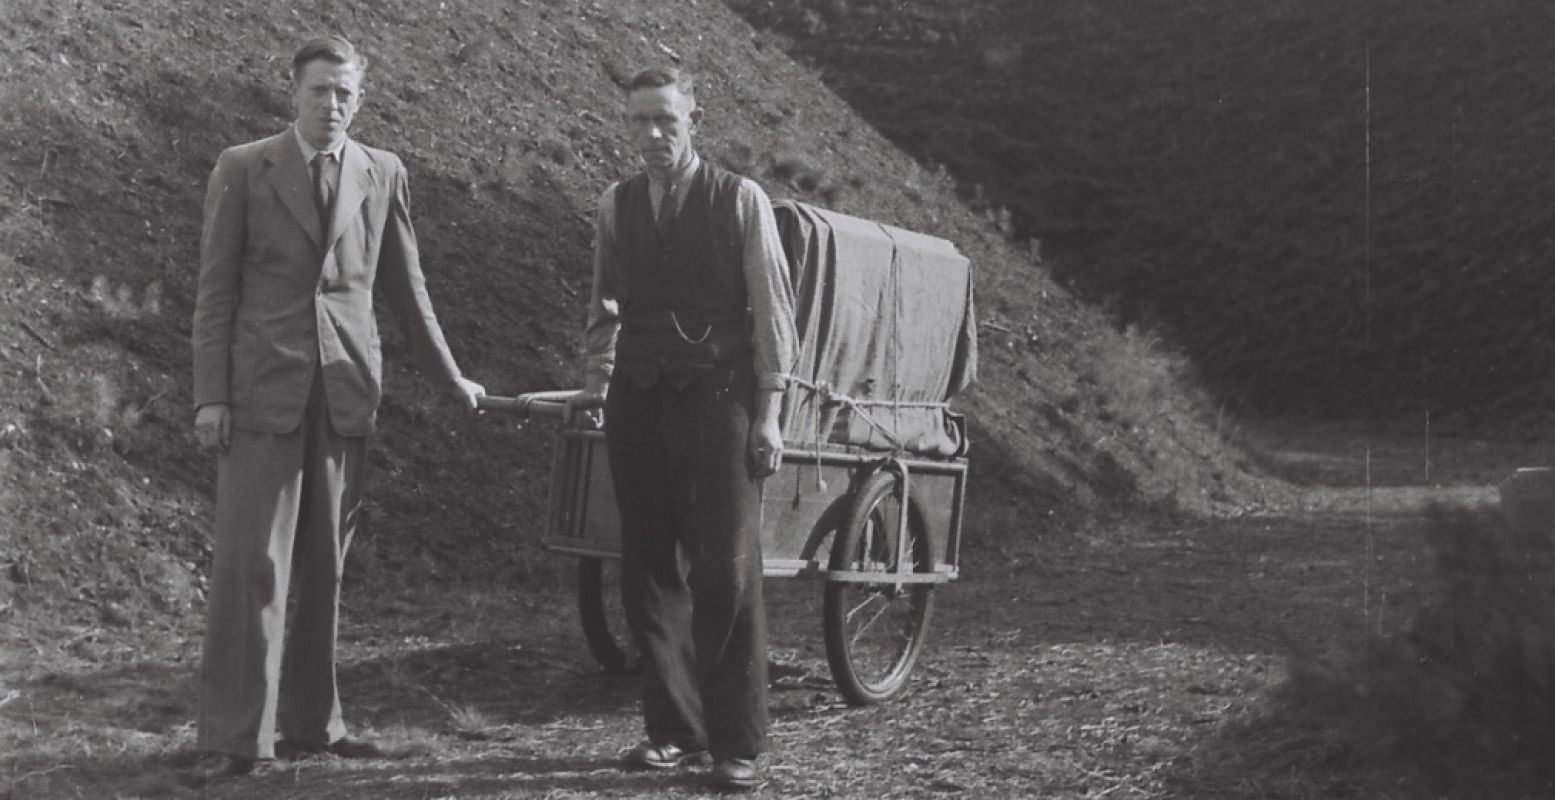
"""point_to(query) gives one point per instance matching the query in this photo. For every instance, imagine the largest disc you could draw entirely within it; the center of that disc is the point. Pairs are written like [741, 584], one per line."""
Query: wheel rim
[881, 621]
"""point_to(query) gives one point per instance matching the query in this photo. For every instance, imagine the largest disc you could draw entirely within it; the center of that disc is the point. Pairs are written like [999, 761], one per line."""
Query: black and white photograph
[574, 399]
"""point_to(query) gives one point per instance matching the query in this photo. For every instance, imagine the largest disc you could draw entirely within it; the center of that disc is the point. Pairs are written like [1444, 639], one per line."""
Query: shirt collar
[308, 152]
[678, 180]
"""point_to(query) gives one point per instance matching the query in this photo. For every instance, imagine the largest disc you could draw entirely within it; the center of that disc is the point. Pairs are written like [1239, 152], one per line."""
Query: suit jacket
[276, 302]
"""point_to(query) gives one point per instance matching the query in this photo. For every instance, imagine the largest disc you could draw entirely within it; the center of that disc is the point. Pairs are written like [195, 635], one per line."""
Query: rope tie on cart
[828, 397]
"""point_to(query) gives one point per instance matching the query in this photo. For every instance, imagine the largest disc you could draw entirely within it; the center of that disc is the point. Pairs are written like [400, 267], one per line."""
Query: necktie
[666, 208]
[324, 188]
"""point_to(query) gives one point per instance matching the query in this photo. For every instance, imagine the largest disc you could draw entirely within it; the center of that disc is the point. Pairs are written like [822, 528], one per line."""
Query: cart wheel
[604, 622]
[874, 631]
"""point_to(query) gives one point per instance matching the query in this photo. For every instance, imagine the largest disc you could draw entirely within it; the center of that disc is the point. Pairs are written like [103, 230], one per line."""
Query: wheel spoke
[868, 598]
[863, 629]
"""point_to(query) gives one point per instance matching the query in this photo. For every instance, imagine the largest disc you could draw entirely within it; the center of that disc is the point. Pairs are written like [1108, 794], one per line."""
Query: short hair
[334, 49]
[660, 77]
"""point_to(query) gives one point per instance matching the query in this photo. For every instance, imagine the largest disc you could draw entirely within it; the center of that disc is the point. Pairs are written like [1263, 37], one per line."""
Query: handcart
[870, 495]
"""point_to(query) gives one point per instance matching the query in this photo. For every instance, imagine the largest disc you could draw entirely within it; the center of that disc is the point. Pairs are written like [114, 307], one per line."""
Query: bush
[1467, 693]
[1138, 377]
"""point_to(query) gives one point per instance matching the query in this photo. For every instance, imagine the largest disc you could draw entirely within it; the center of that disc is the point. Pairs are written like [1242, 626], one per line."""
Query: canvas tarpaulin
[887, 333]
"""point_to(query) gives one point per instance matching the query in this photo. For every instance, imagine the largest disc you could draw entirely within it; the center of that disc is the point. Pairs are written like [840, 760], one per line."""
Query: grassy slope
[1336, 207]
[503, 112]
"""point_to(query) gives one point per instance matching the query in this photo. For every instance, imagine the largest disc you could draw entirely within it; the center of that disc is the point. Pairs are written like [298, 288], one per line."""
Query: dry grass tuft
[1138, 377]
[470, 722]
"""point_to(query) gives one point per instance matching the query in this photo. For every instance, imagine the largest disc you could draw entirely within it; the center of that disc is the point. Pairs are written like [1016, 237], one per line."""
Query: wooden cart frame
[831, 513]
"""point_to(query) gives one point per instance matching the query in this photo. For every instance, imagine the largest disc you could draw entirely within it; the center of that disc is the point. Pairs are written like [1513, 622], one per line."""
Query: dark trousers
[691, 566]
[286, 506]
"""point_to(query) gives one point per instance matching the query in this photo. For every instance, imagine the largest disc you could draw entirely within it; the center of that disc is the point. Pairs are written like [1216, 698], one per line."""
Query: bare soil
[1140, 659]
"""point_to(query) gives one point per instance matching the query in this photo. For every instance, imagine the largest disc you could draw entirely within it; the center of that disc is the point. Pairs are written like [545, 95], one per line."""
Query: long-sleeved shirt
[770, 295]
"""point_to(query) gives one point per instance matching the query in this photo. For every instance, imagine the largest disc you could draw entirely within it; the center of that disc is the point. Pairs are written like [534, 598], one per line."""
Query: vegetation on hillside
[1336, 208]
[505, 114]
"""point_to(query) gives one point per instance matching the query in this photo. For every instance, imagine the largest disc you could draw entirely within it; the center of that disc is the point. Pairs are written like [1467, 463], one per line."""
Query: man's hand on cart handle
[586, 408]
[551, 404]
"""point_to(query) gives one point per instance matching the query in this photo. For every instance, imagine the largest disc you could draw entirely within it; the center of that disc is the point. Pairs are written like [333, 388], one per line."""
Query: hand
[213, 426]
[766, 448]
[469, 391]
[585, 405]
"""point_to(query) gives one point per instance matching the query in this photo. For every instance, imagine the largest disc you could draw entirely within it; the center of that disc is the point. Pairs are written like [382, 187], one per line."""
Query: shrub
[1467, 693]
[1136, 375]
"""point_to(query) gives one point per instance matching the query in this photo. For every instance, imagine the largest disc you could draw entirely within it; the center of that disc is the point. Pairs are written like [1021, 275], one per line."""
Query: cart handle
[551, 404]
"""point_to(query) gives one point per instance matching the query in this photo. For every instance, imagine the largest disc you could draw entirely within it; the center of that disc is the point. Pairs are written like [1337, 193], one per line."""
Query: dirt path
[1111, 664]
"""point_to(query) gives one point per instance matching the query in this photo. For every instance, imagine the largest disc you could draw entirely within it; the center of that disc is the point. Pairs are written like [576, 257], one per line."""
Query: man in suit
[299, 230]
[689, 343]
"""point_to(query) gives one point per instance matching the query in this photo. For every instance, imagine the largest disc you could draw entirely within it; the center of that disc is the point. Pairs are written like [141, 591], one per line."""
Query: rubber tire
[607, 639]
[855, 689]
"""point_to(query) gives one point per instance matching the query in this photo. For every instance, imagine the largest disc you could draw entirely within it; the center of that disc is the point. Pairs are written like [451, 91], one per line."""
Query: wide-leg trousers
[691, 568]
[286, 508]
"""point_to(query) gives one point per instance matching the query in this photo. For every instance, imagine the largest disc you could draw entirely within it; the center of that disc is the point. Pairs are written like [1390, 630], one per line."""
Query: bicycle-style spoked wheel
[874, 631]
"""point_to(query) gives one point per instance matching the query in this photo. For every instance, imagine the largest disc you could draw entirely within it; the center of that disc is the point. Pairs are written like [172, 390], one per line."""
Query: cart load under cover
[887, 333]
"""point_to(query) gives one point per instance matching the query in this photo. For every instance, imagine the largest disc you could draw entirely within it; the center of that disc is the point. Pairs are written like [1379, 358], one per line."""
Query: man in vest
[689, 341]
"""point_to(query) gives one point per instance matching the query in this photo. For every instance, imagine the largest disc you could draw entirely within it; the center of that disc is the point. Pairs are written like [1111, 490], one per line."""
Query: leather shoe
[647, 755]
[357, 748]
[290, 750]
[735, 775]
[344, 748]
[214, 767]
